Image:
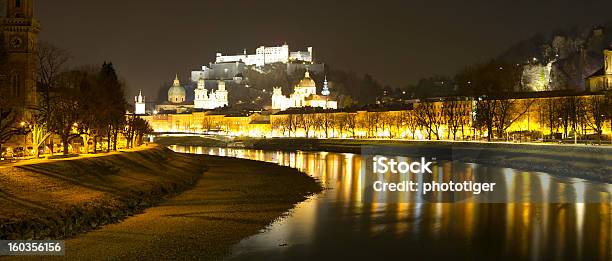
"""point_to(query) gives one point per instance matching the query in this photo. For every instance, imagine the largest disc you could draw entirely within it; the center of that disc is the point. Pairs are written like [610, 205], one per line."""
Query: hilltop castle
[268, 55]
[231, 67]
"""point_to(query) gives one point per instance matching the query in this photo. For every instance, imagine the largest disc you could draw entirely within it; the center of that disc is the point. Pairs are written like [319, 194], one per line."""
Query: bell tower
[20, 9]
[20, 36]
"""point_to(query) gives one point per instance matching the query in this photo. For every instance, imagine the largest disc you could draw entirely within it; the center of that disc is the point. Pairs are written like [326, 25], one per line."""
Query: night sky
[397, 42]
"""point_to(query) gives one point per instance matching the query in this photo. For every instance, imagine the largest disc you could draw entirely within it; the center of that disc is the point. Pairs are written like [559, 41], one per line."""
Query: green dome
[176, 93]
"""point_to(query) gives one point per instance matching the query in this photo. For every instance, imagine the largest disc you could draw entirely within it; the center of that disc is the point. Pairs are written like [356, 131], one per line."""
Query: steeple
[176, 81]
[139, 98]
[325, 90]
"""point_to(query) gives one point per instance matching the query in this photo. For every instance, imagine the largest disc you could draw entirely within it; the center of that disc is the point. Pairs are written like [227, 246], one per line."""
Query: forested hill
[564, 43]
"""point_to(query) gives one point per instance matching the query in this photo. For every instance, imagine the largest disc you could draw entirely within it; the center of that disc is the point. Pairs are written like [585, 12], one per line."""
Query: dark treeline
[86, 103]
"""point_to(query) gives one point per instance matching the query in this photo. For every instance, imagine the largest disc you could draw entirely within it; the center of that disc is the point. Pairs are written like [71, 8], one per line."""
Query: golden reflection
[536, 222]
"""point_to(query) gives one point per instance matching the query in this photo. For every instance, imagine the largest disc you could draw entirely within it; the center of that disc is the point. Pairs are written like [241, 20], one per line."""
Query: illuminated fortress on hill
[268, 55]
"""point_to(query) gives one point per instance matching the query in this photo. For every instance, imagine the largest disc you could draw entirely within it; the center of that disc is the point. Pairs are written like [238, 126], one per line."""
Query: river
[542, 217]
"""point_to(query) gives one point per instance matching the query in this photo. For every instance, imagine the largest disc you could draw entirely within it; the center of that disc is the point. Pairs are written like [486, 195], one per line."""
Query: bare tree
[8, 117]
[351, 123]
[509, 111]
[451, 110]
[430, 118]
[550, 110]
[485, 112]
[596, 114]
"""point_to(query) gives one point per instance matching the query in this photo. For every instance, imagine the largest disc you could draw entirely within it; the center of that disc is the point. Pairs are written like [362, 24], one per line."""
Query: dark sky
[396, 41]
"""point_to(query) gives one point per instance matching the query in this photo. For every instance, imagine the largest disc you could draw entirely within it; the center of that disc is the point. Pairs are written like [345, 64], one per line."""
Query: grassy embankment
[234, 199]
[59, 199]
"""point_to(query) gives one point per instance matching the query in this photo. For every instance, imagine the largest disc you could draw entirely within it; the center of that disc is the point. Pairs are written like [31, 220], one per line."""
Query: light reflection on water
[338, 224]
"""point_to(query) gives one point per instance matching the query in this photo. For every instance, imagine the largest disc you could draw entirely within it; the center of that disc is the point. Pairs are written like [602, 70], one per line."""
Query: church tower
[139, 104]
[201, 95]
[222, 95]
[20, 36]
[325, 91]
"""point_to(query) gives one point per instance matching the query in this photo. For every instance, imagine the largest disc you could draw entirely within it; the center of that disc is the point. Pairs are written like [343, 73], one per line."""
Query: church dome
[176, 93]
[307, 81]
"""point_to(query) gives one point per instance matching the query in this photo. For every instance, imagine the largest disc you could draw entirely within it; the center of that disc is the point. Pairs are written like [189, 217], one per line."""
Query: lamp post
[24, 130]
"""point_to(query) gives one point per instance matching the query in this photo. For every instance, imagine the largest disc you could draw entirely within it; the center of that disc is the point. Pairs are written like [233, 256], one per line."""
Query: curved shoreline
[67, 198]
[234, 199]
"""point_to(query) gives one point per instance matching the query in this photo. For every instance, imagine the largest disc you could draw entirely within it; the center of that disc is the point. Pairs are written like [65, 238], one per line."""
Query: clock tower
[20, 36]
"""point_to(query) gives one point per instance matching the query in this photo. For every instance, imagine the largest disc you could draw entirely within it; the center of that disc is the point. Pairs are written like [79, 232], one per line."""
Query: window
[18, 3]
[15, 84]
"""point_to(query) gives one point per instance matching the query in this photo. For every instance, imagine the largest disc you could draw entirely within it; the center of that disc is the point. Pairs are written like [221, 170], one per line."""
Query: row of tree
[86, 103]
[454, 119]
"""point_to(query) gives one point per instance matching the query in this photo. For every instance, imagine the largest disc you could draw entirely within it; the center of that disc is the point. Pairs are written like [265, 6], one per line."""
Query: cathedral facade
[212, 100]
[304, 95]
[203, 99]
[20, 37]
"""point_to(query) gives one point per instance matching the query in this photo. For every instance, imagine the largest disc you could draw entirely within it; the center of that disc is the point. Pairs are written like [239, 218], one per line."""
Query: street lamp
[24, 130]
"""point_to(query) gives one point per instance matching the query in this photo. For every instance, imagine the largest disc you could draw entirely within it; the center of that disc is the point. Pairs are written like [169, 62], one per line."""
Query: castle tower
[20, 33]
[201, 95]
[139, 104]
[325, 90]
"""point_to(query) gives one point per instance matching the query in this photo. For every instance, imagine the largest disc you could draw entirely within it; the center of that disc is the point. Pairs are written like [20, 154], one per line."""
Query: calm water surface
[339, 223]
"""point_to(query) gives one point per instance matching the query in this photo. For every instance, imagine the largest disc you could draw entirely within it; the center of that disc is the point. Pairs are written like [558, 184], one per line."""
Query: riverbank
[234, 199]
[61, 198]
[581, 161]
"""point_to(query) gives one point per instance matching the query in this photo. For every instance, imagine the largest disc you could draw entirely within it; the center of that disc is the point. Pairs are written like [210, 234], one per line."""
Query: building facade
[212, 100]
[529, 119]
[203, 98]
[304, 95]
[20, 33]
[267, 55]
[602, 79]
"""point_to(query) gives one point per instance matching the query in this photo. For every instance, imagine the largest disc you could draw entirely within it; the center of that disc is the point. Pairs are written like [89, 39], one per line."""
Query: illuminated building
[444, 119]
[232, 67]
[20, 33]
[176, 99]
[212, 100]
[602, 79]
[139, 104]
[267, 55]
[304, 95]
[203, 99]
